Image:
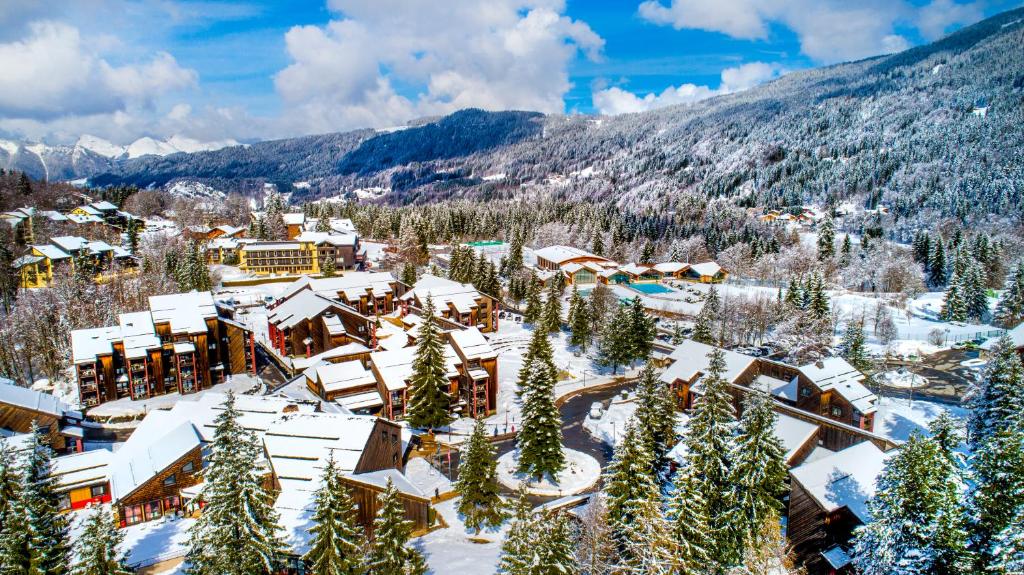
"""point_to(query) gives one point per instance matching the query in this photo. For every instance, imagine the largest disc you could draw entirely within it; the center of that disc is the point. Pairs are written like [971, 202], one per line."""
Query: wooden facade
[811, 530]
[161, 494]
[19, 420]
[366, 497]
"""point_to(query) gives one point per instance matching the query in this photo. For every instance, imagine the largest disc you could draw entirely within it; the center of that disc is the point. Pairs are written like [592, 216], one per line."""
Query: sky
[260, 69]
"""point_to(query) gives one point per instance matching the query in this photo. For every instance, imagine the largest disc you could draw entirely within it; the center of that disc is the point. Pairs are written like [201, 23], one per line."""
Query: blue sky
[208, 69]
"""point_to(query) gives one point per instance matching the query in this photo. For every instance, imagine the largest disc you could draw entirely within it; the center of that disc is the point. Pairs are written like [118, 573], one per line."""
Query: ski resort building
[457, 302]
[181, 344]
[20, 407]
[63, 253]
[303, 254]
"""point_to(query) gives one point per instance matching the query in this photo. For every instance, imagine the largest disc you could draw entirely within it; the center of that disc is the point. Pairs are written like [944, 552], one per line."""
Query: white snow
[455, 550]
[426, 478]
[581, 473]
[902, 378]
[611, 427]
[897, 418]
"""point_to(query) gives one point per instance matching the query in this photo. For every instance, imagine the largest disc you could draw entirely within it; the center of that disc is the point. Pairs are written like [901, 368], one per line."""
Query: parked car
[596, 410]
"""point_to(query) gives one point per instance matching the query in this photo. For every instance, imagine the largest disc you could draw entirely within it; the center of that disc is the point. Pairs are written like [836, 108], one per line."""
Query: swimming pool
[651, 289]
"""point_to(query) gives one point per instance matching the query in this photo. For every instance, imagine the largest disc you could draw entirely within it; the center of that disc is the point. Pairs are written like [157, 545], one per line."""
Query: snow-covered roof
[98, 247]
[294, 219]
[706, 268]
[80, 469]
[349, 349]
[269, 246]
[303, 306]
[160, 440]
[26, 260]
[335, 377]
[89, 209]
[334, 239]
[50, 251]
[54, 216]
[836, 374]
[445, 293]
[256, 412]
[229, 230]
[844, 479]
[837, 557]
[25, 398]
[104, 206]
[472, 344]
[690, 359]
[634, 269]
[793, 433]
[395, 366]
[87, 344]
[85, 219]
[351, 284]
[671, 267]
[560, 254]
[69, 243]
[776, 387]
[298, 445]
[187, 312]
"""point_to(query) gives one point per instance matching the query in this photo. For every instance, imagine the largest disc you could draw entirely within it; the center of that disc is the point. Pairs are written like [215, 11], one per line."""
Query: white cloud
[615, 100]
[829, 30]
[382, 63]
[53, 72]
[941, 16]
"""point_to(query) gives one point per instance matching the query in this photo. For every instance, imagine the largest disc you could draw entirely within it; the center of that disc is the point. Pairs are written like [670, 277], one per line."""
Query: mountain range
[934, 131]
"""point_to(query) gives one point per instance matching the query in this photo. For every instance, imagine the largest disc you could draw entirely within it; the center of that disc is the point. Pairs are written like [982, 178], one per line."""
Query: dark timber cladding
[181, 344]
[366, 496]
[20, 407]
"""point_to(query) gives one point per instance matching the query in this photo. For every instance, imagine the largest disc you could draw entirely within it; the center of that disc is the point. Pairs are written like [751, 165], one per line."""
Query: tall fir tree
[641, 331]
[534, 307]
[758, 473]
[819, 305]
[517, 550]
[237, 532]
[1008, 550]
[826, 239]
[655, 416]
[579, 321]
[937, 265]
[389, 553]
[409, 274]
[709, 443]
[480, 504]
[707, 318]
[630, 488]
[975, 293]
[997, 401]
[954, 304]
[540, 438]
[551, 319]
[852, 346]
[336, 544]
[8, 482]
[693, 543]
[614, 345]
[538, 351]
[429, 399]
[1009, 311]
[97, 549]
[997, 492]
[40, 537]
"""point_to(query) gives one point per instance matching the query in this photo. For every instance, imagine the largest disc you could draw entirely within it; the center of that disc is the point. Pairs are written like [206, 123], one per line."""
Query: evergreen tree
[998, 490]
[552, 315]
[1008, 555]
[937, 265]
[655, 416]
[690, 525]
[954, 305]
[237, 532]
[709, 443]
[997, 402]
[853, 346]
[478, 484]
[579, 321]
[517, 551]
[389, 554]
[24, 185]
[641, 331]
[916, 522]
[758, 473]
[323, 223]
[409, 274]
[538, 351]
[15, 545]
[10, 279]
[336, 546]
[97, 546]
[818, 305]
[132, 236]
[704, 327]
[1010, 309]
[540, 439]
[615, 343]
[846, 250]
[794, 295]
[328, 268]
[429, 399]
[630, 487]
[8, 482]
[975, 292]
[534, 307]
[826, 239]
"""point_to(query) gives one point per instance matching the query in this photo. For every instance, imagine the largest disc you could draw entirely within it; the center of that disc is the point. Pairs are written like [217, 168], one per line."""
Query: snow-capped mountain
[92, 154]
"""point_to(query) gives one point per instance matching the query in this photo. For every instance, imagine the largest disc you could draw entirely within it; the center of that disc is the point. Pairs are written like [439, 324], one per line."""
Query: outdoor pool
[651, 289]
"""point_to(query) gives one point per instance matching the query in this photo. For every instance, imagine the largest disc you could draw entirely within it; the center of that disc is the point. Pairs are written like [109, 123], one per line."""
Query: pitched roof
[69, 243]
[159, 441]
[186, 312]
[444, 293]
[844, 479]
[690, 359]
[25, 398]
[336, 377]
[706, 268]
[472, 344]
[671, 267]
[836, 374]
[559, 254]
[302, 306]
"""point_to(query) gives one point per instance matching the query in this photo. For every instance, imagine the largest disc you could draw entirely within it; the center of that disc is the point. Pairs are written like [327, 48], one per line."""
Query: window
[171, 503]
[133, 515]
[805, 392]
[171, 480]
[98, 490]
[394, 459]
[188, 467]
[152, 510]
[383, 435]
[837, 411]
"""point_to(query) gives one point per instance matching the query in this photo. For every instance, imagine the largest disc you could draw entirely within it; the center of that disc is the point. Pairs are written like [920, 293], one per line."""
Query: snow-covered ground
[897, 417]
[581, 473]
[456, 550]
[428, 479]
[611, 426]
[901, 378]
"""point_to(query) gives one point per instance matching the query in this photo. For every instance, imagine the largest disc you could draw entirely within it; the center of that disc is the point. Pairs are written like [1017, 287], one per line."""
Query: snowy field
[897, 417]
[456, 550]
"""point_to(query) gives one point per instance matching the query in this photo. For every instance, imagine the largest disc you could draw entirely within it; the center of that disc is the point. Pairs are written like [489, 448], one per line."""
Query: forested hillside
[936, 131]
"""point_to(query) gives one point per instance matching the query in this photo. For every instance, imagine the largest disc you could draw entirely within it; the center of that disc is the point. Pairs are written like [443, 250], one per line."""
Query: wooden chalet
[182, 344]
[454, 301]
[21, 406]
[82, 479]
[306, 323]
[344, 249]
[368, 293]
[828, 500]
[554, 257]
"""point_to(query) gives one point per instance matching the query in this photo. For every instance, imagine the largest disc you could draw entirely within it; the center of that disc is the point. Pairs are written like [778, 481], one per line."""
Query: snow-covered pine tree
[614, 344]
[655, 416]
[97, 549]
[707, 318]
[975, 292]
[916, 499]
[540, 438]
[574, 304]
[997, 402]
[794, 294]
[1010, 309]
[534, 307]
[758, 473]
[554, 546]
[641, 331]
[580, 322]
[538, 351]
[937, 265]
[709, 443]
[237, 531]
[819, 305]
[429, 399]
[551, 319]
[630, 488]
[409, 273]
[826, 239]
[480, 504]
[997, 493]
[389, 554]
[328, 267]
[1008, 548]
[8, 482]
[853, 346]
[518, 549]
[690, 525]
[336, 547]
[46, 529]
[846, 251]
[323, 223]
[954, 304]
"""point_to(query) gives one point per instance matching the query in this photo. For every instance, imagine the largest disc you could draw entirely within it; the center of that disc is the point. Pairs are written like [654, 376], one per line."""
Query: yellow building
[291, 258]
[36, 267]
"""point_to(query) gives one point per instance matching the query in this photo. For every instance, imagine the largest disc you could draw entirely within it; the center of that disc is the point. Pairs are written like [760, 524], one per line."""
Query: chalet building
[37, 268]
[707, 273]
[672, 270]
[20, 406]
[82, 479]
[182, 344]
[454, 301]
[294, 222]
[641, 273]
[225, 231]
[104, 212]
[344, 249]
[342, 381]
[147, 473]
[306, 323]
[799, 439]
[830, 389]
[19, 225]
[554, 257]
[369, 293]
[581, 273]
[828, 500]
[471, 367]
